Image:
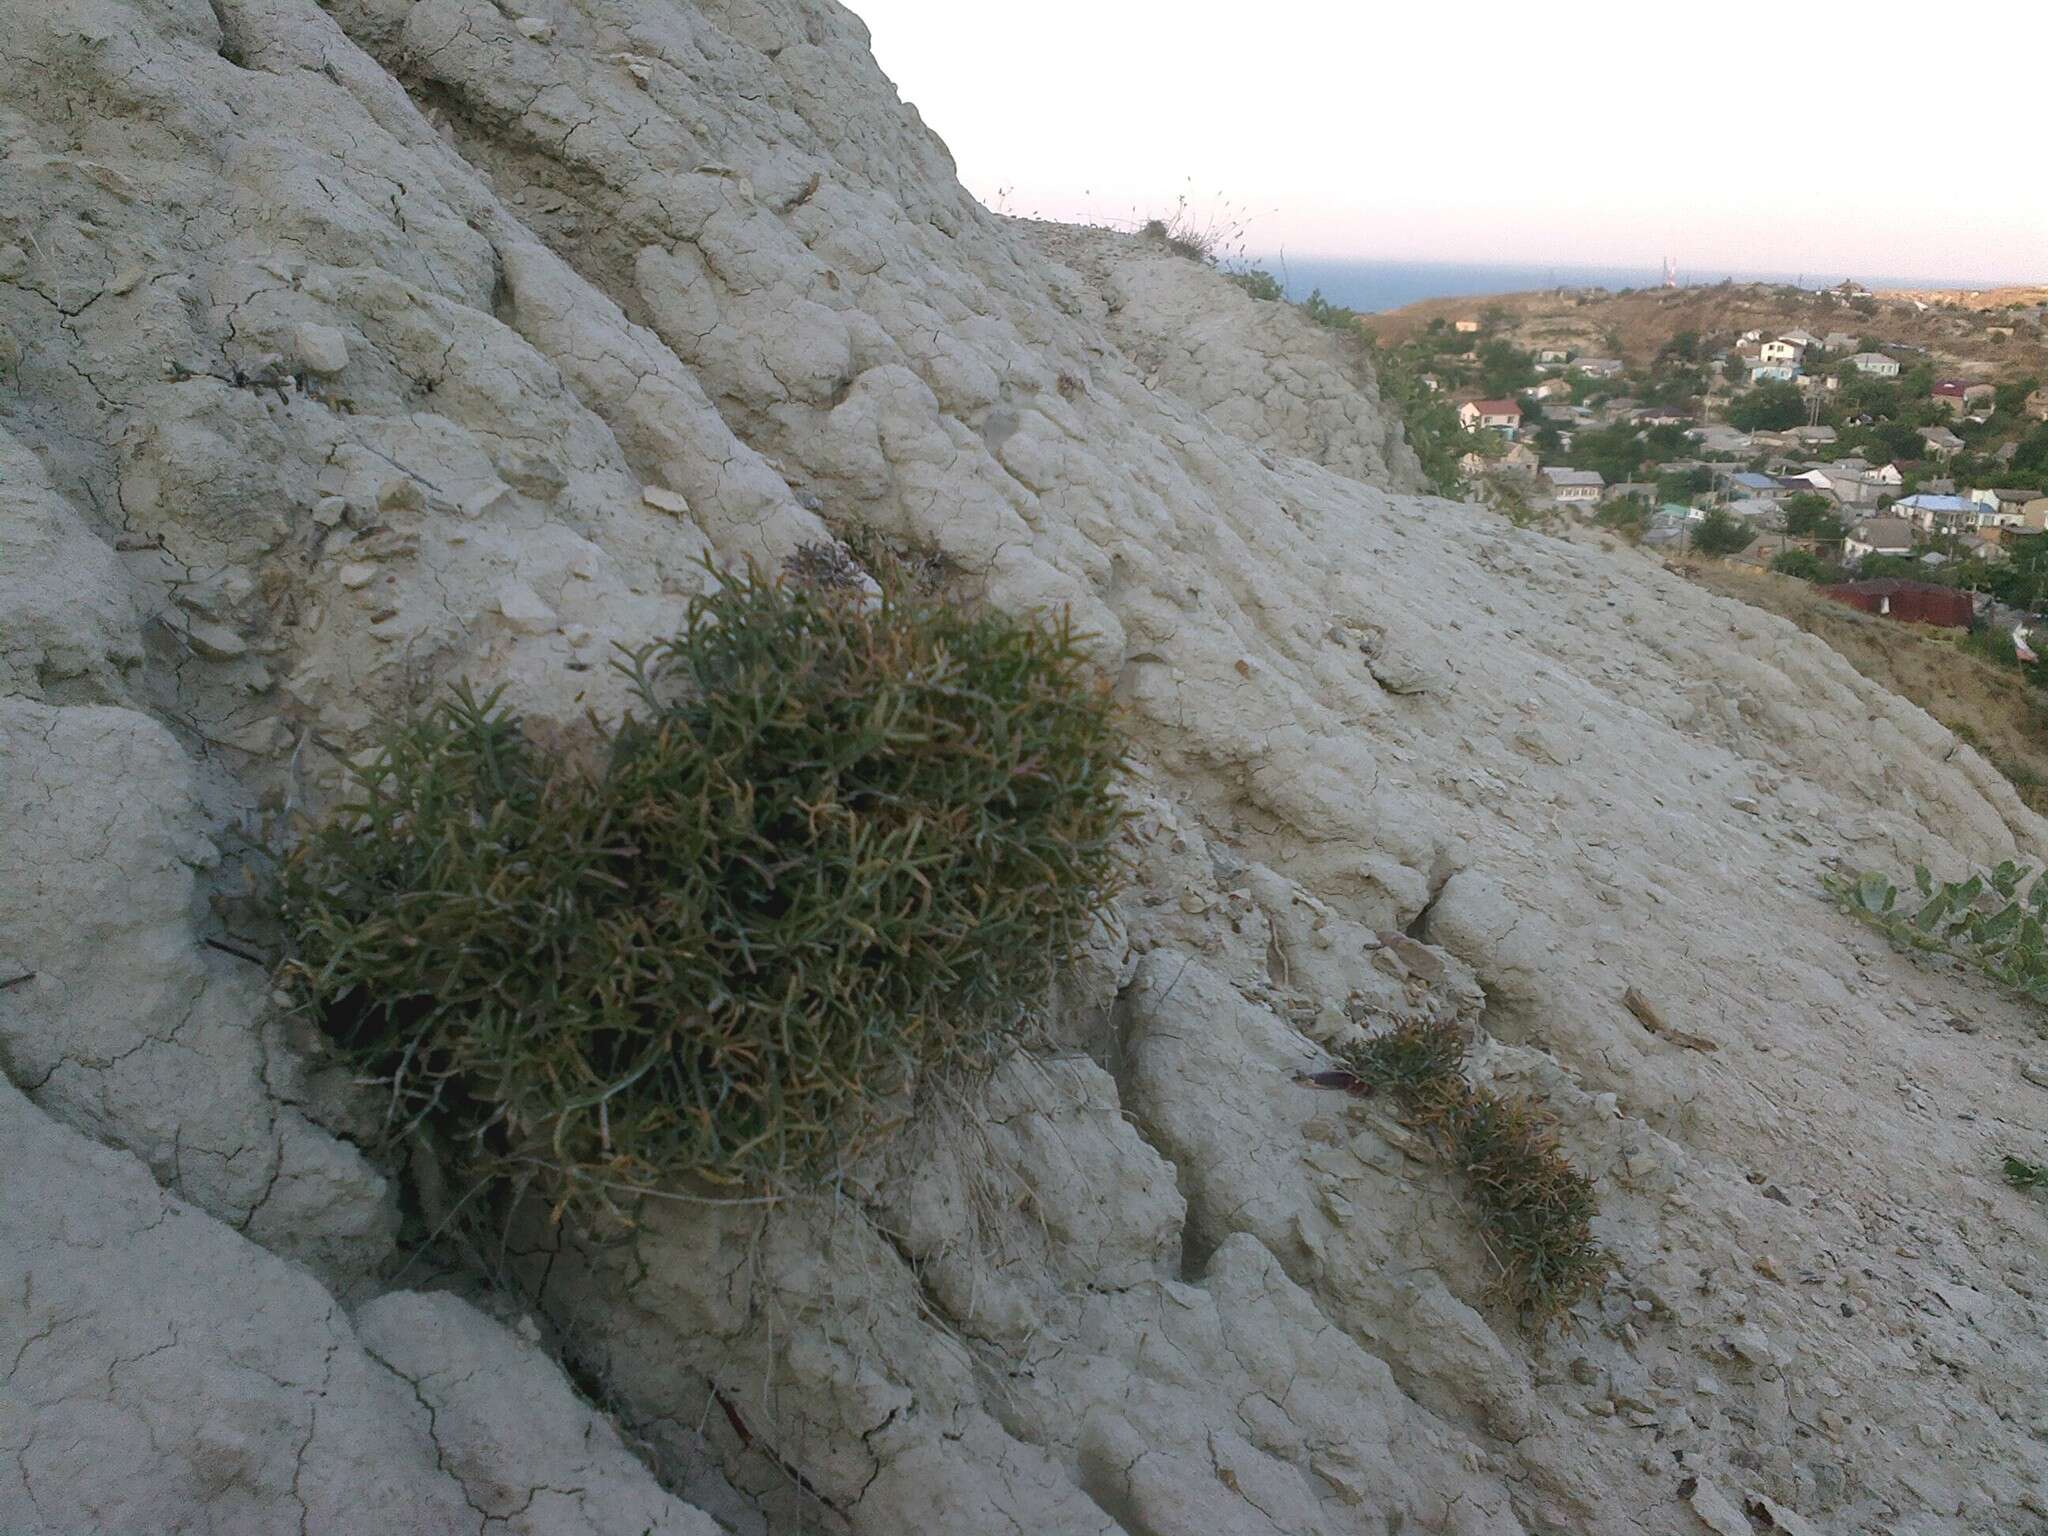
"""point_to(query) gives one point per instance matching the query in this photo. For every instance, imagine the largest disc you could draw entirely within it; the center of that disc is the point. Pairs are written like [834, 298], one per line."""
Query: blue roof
[1927, 503]
[1750, 480]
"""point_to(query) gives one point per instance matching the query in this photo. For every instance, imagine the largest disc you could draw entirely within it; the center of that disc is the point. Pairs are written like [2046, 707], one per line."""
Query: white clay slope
[347, 351]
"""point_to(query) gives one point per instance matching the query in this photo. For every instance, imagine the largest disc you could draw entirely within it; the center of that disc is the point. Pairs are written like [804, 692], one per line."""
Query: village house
[1818, 436]
[1716, 437]
[1879, 536]
[1781, 350]
[1800, 339]
[2005, 504]
[1747, 482]
[1982, 545]
[1766, 372]
[1749, 338]
[1841, 341]
[1574, 485]
[2037, 404]
[1552, 389]
[1661, 416]
[1853, 485]
[1597, 367]
[1520, 459]
[1959, 397]
[1876, 364]
[2034, 515]
[1622, 490]
[1941, 442]
[1502, 416]
[1938, 514]
[1553, 354]
[1465, 327]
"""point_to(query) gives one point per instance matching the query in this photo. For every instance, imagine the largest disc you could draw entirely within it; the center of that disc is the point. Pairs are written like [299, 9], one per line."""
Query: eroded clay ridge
[348, 351]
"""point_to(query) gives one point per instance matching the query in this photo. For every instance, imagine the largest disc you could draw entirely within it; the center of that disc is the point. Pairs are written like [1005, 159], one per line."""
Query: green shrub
[837, 844]
[2022, 1174]
[1259, 283]
[1984, 919]
[1538, 1209]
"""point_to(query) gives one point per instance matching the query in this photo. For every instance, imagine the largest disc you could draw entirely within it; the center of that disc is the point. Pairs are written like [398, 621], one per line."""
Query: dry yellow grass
[1990, 707]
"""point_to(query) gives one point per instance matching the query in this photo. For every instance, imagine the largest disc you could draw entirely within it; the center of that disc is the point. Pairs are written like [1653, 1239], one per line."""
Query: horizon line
[1721, 273]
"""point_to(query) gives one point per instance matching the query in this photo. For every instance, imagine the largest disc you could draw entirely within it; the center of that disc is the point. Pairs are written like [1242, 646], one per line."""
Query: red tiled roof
[1497, 407]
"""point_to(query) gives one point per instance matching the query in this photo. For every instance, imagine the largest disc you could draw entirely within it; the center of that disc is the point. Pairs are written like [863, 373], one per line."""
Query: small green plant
[1408, 1059]
[1259, 283]
[1538, 1209]
[1997, 920]
[2022, 1174]
[840, 842]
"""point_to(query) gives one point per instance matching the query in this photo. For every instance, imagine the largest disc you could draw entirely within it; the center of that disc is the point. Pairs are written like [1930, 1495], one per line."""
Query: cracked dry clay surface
[350, 350]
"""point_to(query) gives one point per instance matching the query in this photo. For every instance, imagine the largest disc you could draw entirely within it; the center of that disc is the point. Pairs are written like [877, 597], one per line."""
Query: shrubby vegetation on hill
[839, 843]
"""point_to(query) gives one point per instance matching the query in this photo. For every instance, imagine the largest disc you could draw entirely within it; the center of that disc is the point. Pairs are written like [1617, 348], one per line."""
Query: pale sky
[1876, 139]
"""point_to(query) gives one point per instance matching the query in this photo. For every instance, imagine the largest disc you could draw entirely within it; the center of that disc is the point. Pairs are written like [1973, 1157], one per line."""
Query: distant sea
[1372, 286]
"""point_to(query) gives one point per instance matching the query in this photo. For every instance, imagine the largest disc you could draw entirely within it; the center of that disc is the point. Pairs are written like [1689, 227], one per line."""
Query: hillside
[352, 351]
[1635, 325]
[1988, 706]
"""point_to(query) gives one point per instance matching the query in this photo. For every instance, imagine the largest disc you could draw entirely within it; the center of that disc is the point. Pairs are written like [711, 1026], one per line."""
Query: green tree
[1681, 485]
[1617, 452]
[2012, 397]
[2022, 580]
[2031, 457]
[1810, 515]
[1721, 533]
[1504, 368]
[1798, 562]
[1770, 407]
[1684, 347]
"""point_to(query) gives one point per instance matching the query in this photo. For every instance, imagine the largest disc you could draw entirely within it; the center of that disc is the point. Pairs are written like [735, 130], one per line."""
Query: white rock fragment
[485, 498]
[328, 511]
[523, 609]
[356, 575]
[216, 642]
[1716, 1512]
[535, 28]
[662, 499]
[320, 348]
